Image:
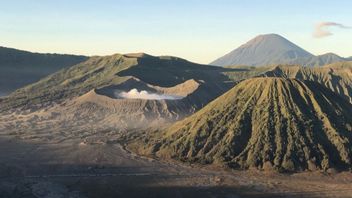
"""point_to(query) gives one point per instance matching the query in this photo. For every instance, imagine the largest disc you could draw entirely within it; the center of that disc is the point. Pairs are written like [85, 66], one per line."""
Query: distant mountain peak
[271, 36]
[273, 49]
[264, 49]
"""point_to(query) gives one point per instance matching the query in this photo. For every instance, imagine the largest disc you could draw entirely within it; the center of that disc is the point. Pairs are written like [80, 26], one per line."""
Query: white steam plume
[135, 94]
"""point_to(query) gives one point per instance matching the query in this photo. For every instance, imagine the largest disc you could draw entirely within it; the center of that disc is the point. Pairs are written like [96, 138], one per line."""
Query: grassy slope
[266, 123]
[19, 68]
[98, 72]
[74, 81]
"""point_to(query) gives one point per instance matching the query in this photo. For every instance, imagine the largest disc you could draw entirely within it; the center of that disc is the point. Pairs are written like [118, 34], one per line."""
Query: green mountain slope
[268, 123]
[86, 98]
[98, 72]
[19, 68]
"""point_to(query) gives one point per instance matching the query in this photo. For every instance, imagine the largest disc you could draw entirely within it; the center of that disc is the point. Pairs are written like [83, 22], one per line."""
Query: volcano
[265, 123]
[273, 49]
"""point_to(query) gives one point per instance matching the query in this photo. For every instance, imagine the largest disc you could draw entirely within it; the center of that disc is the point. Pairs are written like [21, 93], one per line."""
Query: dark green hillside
[19, 68]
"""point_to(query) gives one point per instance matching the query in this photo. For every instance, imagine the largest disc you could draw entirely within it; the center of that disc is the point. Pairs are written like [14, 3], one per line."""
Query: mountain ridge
[19, 67]
[336, 76]
[101, 71]
[99, 91]
[271, 49]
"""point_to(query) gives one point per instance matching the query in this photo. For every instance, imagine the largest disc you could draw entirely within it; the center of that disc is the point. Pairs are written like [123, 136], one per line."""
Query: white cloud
[322, 29]
[135, 94]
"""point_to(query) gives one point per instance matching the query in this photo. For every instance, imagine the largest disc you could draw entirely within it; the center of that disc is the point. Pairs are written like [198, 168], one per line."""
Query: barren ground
[32, 168]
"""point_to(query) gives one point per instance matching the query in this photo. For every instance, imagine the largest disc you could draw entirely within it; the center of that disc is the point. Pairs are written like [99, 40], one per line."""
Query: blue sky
[198, 30]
